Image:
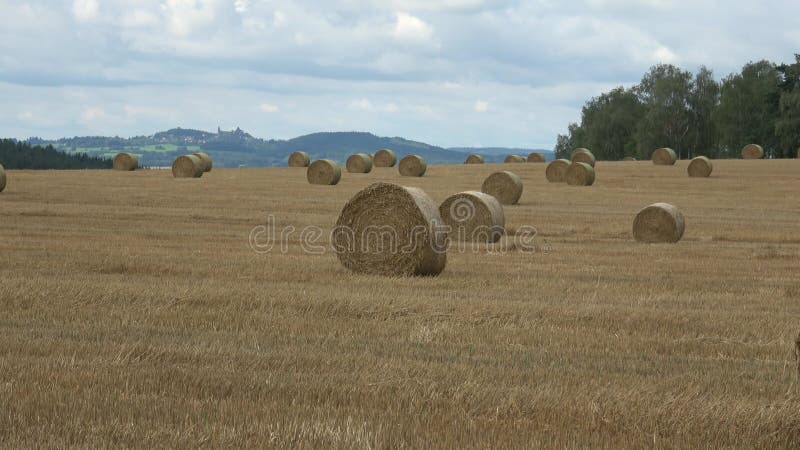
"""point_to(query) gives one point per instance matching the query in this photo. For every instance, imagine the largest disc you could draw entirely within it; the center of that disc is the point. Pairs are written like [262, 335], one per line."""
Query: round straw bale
[205, 161]
[515, 159]
[2, 178]
[324, 171]
[556, 170]
[391, 230]
[299, 159]
[384, 158]
[658, 223]
[583, 155]
[359, 163]
[629, 158]
[473, 217]
[187, 166]
[126, 162]
[664, 157]
[474, 159]
[752, 151]
[505, 186]
[412, 166]
[700, 167]
[579, 174]
[536, 157]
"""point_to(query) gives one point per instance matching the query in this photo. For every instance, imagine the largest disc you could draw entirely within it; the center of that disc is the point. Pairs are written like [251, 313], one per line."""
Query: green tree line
[21, 155]
[693, 114]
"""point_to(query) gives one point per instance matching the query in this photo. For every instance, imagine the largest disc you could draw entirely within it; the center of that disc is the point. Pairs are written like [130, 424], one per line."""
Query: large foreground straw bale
[579, 174]
[2, 178]
[126, 162]
[752, 151]
[556, 170]
[359, 163]
[658, 223]
[299, 159]
[391, 230]
[412, 166]
[324, 171]
[536, 157]
[474, 159]
[384, 158]
[505, 186]
[187, 166]
[583, 155]
[515, 159]
[205, 161]
[473, 217]
[664, 157]
[700, 167]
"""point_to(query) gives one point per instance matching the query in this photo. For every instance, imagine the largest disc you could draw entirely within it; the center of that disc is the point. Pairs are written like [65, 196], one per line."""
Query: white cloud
[93, 114]
[481, 106]
[268, 108]
[362, 104]
[85, 10]
[410, 28]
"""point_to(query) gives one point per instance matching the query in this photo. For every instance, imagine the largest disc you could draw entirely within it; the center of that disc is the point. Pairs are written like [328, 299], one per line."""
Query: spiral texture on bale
[579, 174]
[205, 161]
[752, 151]
[556, 170]
[536, 157]
[514, 159]
[659, 223]
[474, 159]
[505, 186]
[2, 178]
[384, 158]
[187, 166]
[125, 162]
[391, 230]
[473, 217]
[700, 167]
[664, 157]
[359, 163]
[412, 166]
[324, 171]
[299, 159]
[583, 155]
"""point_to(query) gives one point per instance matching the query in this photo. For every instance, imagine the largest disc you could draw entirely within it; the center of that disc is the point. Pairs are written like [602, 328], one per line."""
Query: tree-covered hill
[21, 155]
[238, 148]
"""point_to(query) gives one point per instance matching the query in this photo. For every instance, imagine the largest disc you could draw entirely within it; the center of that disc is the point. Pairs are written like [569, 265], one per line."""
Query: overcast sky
[447, 72]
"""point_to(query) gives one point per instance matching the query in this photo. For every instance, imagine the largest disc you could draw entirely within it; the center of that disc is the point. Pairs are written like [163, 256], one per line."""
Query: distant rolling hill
[239, 149]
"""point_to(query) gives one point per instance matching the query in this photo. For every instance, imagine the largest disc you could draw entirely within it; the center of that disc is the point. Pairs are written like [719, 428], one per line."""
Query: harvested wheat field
[131, 317]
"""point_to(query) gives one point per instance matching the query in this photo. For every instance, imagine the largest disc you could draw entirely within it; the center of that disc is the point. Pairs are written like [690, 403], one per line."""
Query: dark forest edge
[693, 114]
[21, 155]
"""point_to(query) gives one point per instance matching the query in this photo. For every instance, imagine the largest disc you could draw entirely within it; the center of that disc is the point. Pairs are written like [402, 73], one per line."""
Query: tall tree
[609, 123]
[748, 108]
[665, 91]
[787, 126]
[570, 141]
[703, 99]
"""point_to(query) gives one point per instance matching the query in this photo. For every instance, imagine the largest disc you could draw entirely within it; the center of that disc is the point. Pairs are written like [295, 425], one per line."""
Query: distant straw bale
[700, 167]
[412, 166]
[299, 159]
[359, 163]
[505, 186]
[324, 171]
[473, 217]
[125, 162]
[659, 223]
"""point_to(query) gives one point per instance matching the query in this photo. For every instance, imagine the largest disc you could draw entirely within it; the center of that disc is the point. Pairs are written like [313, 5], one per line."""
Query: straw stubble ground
[134, 314]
